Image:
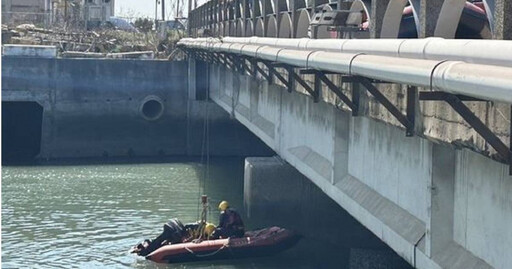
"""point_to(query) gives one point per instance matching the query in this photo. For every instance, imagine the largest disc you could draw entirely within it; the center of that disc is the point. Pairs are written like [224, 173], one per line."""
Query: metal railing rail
[489, 82]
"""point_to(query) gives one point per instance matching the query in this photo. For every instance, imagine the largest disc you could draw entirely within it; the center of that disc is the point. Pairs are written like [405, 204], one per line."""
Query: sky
[146, 8]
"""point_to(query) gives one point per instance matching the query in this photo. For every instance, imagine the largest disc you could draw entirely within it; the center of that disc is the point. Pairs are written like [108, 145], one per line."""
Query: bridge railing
[380, 19]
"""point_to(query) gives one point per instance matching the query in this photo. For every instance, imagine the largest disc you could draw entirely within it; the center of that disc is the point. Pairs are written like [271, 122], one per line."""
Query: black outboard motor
[174, 230]
[173, 233]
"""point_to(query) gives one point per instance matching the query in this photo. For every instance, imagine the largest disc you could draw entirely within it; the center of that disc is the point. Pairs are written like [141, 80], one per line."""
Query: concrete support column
[192, 88]
[202, 83]
[254, 97]
[276, 194]
[503, 20]
[197, 79]
[429, 13]
[438, 17]
[236, 85]
[341, 144]
[294, 17]
[379, 8]
[269, 181]
[440, 226]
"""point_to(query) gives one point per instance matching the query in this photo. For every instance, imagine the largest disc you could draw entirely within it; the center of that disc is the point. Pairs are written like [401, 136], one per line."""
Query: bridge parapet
[381, 18]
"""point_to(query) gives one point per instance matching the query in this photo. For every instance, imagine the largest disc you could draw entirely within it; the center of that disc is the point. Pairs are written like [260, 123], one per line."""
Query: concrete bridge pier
[197, 79]
[275, 193]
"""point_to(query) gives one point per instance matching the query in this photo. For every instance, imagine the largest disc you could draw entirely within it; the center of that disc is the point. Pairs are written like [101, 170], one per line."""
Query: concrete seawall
[99, 108]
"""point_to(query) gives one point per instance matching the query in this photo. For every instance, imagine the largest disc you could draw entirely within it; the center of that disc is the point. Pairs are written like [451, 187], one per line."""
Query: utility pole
[65, 12]
[189, 18]
[177, 9]
[156, 12]
[163, 10]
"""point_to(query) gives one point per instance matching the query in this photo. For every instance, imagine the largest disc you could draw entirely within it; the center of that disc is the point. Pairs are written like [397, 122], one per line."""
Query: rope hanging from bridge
[202, 214]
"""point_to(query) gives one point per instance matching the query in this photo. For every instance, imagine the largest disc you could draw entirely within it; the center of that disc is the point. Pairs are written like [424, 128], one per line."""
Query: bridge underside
[436, 206]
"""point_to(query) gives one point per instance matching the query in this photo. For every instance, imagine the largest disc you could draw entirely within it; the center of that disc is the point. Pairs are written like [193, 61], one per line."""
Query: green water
[88, 216]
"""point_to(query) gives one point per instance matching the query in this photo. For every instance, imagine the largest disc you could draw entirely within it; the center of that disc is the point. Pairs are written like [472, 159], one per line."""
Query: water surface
[88, 216]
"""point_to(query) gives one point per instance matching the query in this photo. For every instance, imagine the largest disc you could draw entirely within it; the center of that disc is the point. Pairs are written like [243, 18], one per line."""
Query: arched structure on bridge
[240, 27]
[393, 18]
[282, 5]
[232, 28]
[271, 27]
[360, 5]
[396, 18]
[302, 26]
[269, 6]
[456, 19]
[299, 4]
[215, 30]
[490, 7]
[238, 9]
[257, 8]
[226, 28]
[449, 17]
[258, 28]
[461, 19]
[285, 26]
[249, 28]
[220, 29]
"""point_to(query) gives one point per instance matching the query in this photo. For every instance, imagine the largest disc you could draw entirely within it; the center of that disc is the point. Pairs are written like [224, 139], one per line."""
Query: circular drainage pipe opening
[152, 108]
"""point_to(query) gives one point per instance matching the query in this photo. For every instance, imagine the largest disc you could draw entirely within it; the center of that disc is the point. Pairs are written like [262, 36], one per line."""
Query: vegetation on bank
[104, 39]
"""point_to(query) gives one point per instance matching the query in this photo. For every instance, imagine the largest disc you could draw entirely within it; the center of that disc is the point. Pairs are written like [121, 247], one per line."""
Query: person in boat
[193, 231]
[174, 233]
[230, 223]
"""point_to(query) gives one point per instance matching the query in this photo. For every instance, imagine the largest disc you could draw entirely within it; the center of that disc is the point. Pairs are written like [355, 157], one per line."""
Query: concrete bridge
[424, 166]
[412, 139]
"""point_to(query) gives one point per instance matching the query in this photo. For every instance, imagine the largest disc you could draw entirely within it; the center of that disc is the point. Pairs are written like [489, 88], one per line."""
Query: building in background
[97, 11]
[77, 13]
[26, 11]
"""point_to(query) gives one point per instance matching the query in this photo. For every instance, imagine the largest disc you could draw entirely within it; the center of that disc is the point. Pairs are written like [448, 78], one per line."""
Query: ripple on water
[88, 216]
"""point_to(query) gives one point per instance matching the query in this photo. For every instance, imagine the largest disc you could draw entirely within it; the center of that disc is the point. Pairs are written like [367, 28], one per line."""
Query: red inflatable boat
[263, 242]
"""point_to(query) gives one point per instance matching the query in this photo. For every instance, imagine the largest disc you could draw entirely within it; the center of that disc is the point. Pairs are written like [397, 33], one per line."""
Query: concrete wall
[483, 208]
[434, 205]
[93, 108]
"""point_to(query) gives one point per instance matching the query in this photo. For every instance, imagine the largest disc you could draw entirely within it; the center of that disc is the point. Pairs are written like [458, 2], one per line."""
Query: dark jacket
[229, 219]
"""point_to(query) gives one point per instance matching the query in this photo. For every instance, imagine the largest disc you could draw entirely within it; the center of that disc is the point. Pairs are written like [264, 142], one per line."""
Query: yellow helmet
[223, 205]
[208, 229]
